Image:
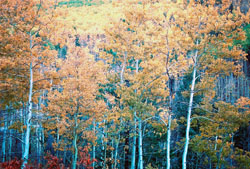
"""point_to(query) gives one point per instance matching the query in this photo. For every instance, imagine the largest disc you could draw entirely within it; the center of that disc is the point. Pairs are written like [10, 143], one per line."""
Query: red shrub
[53, 162]
[84, 158]
[13, 164]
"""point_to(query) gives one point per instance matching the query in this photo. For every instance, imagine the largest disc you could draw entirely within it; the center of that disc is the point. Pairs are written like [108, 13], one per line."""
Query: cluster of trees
[158, 84]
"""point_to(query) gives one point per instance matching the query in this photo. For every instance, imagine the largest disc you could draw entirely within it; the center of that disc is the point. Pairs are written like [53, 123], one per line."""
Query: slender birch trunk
[38, 134]
[93, 165]
[41, 132]
[134, 144]
[22, 134]
[57, 137]
[105, 154]
[171, 89]
[116, 147]
[28, 120]
[39, 144]
[10, 139]
[215, 146]
[112, 153]
[138, 164]
[123, 68]
[168, 141]
[232, 150]
[184, 157]
[75, 151]
[140, 144]
[4, 139]
[134, 136]
[104, 145]
[42, 143]
[226, 89]
[238, 87]
[74, 143]
[219, 157]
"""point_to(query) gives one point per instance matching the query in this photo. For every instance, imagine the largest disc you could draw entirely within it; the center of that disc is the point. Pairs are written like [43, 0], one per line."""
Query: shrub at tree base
[53, 162]
[85, 159]
[13, 164]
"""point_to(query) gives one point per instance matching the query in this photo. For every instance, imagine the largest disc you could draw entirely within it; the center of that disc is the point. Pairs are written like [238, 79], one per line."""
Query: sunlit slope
[86, 20]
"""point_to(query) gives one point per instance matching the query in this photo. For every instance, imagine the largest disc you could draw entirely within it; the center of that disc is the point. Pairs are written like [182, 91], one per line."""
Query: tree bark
[74, 143]
[171, 89]
[168, 141]
[117, 146]
[134, 144]
[134, 136]
[22, 121]
[4, 139]
[219, 157]
[184, 157]
[37, 143]
[57, 137]
[112, 152]
[10, 139]
[104, 145]
[28, 120]
[123, 68]
[94, 146]
[140, 145]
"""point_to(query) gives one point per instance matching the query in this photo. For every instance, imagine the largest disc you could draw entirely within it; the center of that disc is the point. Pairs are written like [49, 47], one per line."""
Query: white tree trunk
[94, 147]
[103, 142]
[22, 134]
[75, 152]
[57, 137]
[112, 153]
[168, 141]
[184, 157]
[10, 143]
[134, 136]
[75, 144]
[42, 142]
[37, 143]
[4, 139]
[116, 147]
[39, 139]
[140, 145]
[123, 68]
[28, 120]
[219, 158]
[171, 87]
[38, 134]
[134, 144]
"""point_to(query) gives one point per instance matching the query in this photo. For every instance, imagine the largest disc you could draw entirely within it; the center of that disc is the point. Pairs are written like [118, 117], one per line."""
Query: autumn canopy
[124, 84]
